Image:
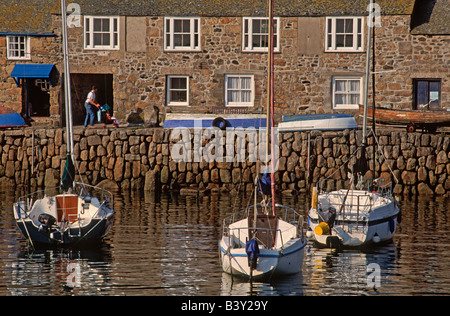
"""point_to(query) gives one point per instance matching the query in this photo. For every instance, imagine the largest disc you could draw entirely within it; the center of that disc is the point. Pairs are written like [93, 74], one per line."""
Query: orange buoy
[322, 229]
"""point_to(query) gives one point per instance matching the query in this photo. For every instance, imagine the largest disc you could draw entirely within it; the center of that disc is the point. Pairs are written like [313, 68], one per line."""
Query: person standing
[89, 104]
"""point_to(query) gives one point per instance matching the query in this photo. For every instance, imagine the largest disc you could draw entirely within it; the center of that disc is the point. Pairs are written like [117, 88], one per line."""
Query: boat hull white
[355, 234]
[318, 122]
[370, 219]
[270, 262]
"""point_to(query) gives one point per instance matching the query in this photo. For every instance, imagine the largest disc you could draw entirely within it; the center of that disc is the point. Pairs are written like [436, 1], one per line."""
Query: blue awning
[37, 71]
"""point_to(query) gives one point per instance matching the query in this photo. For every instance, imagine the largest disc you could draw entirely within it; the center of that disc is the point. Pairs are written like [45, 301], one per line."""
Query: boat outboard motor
[252, 250]
[47, 222]
[328, 216]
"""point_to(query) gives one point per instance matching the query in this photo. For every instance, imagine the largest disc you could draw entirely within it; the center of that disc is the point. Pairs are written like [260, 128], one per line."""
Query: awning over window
[36, 71]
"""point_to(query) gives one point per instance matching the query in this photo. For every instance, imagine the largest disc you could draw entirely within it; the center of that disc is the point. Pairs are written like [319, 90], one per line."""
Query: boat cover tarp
[11, 120]
[264, 184]
[68, 175]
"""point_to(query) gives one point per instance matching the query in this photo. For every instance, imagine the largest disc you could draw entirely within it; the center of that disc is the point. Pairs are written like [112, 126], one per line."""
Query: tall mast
[366, 83]
[270, 110]
[67, 92]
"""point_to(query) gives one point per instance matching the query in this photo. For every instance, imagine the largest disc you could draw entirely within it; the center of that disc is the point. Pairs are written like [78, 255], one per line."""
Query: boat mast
[366, 83]
[270, 107]
[67, 92]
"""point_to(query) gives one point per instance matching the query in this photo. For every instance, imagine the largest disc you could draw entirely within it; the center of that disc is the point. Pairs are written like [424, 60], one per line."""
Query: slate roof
[431, 17]
[26, 16]
[240, 7]
[32, 16]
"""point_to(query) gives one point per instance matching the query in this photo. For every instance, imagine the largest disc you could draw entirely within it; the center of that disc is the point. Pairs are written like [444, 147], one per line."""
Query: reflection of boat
[270, 241]
[352, 217]
[317, 122]
[73, 213]
[428, 119]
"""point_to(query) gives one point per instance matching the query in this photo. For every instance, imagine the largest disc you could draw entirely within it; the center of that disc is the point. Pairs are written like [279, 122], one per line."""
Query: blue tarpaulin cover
[265, 183]
[252, 248]
[11, 120]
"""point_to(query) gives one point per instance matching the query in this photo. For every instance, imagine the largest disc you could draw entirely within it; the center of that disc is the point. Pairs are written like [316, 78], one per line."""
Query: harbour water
[166, 245]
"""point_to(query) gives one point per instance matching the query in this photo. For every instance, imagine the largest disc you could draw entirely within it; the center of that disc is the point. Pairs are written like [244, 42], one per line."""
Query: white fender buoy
[376, 239]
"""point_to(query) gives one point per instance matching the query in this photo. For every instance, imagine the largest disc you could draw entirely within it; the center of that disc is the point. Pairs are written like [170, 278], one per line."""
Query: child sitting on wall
[112, 119]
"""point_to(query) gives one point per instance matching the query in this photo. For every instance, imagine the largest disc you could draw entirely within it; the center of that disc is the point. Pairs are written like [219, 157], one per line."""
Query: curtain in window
[347, 92]
[239, 89]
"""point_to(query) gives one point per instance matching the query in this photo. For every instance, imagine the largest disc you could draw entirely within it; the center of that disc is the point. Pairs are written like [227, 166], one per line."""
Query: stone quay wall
[141, 159]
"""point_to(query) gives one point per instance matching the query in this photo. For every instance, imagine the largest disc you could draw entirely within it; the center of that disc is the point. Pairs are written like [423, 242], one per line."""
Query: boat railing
[283, 212]
[378, 186]
[241, 233]
[353, 206]
[84, 190]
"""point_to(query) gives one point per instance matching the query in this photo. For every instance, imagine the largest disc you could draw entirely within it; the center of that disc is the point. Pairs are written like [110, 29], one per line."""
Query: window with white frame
[18, 47]
[239, 90]
[178, 90]
[347, 92]
[101, 32]
[344, 34]
[256, 34]
[182, 34]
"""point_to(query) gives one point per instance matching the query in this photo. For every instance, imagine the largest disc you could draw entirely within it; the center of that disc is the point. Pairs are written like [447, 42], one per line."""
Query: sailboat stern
[237, 263]
[364, 229]
[62, 219]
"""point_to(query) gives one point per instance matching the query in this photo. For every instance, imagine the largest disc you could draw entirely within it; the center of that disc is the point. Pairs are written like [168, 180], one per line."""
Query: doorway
[36, 96]
[81, 86]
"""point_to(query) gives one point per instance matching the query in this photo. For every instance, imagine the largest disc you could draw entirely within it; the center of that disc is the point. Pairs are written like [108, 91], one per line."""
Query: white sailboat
[270, 241]
[353, 218]
[261, 246]
[73, 213]
[361, 215]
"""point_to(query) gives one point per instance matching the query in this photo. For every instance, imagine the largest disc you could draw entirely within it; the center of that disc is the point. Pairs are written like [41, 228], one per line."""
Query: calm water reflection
[167, 245]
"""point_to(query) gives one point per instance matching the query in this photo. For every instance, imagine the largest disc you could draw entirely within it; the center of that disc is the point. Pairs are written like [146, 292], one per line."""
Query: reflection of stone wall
[141, 159]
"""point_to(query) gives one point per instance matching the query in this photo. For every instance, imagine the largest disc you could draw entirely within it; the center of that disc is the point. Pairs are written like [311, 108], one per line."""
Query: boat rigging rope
[354, 154]
[379, 149]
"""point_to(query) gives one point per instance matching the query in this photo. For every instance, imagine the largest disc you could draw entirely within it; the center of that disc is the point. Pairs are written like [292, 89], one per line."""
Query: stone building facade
[126, 50]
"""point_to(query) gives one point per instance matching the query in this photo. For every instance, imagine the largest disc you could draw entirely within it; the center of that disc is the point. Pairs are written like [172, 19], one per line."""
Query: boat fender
[252, 250]
[314, 199]
[391, 225]
[376, 239]
[322, 229]
[399, 217]
[220, 123]
[309, 233]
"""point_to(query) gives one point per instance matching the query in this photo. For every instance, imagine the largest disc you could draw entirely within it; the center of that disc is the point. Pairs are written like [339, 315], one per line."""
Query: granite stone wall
[141, 159]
